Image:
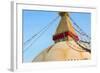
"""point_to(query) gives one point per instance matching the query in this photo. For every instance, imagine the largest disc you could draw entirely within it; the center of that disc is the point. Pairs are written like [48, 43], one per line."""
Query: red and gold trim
[65, 34]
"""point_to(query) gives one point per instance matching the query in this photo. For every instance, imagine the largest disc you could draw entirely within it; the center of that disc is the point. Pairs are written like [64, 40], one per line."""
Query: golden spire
[65, 30]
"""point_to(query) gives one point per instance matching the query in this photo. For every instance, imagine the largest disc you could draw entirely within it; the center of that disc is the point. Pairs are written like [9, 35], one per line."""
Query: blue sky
[34, 21]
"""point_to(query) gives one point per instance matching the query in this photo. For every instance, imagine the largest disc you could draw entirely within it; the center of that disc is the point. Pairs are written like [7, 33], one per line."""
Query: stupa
[65, 47]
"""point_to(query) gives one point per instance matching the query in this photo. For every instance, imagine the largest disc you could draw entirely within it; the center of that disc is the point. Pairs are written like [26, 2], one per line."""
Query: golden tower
[65, 30]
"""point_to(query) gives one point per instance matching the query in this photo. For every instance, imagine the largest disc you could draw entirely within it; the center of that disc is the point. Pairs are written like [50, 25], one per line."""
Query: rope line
[88, 50]
[82, 32]
[76, 30]
[41, 33]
